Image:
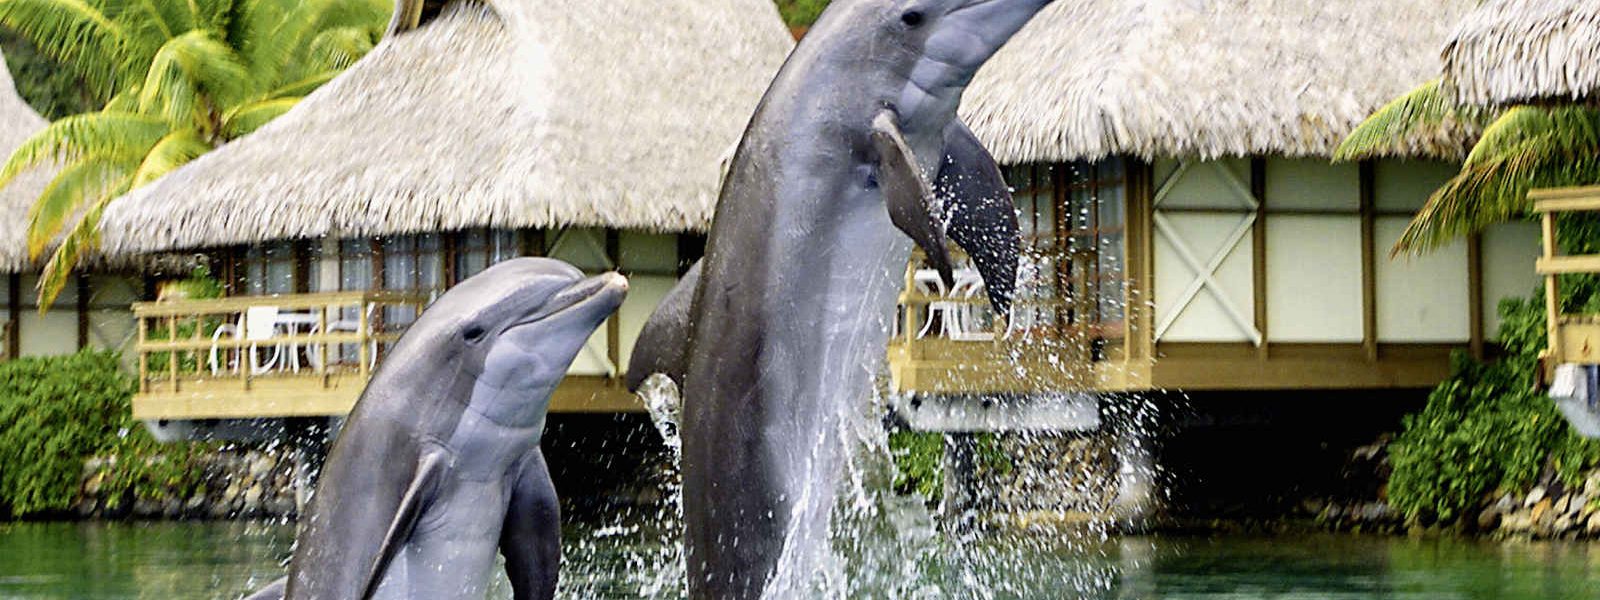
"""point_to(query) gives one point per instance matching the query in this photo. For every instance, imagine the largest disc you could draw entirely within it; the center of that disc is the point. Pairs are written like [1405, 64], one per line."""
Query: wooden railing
[966, 348]
[200, 349]
[1571, 338]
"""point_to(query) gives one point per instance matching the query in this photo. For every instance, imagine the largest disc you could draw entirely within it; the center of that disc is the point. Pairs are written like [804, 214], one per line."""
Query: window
[413, 263]
[1072, 219]
[476, 249]
[269, 269]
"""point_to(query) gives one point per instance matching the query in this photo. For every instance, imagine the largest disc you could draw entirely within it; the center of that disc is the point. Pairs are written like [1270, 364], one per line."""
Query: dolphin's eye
[911, 18]
[472, 333]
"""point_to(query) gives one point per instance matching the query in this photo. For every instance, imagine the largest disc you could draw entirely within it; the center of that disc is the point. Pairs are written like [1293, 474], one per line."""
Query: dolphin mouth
[608, 288]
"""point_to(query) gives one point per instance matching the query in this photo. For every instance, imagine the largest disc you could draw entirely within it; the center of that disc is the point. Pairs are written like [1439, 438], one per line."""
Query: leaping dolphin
[856, 137]
[439, 463]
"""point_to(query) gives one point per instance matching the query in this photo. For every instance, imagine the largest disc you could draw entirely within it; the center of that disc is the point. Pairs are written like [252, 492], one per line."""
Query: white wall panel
[1312, 184]
[1204, 319]
[644, 293]
[1509, 250]
[1420, 298]
[648, 252]
[1403, 185]
[1204, 184]
[1313, 278]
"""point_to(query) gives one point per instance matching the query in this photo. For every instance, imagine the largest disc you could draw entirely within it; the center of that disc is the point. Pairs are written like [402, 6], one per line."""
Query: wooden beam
[1564, 193]
[1369, 263]
[81, 282]
[14, 314]
[614, 323]
[1564, 265]
[1258, 248]
[1475, 294]
[1552, 293]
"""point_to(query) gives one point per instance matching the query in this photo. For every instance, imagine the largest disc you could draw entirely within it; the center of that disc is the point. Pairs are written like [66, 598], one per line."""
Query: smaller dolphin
[439, 464]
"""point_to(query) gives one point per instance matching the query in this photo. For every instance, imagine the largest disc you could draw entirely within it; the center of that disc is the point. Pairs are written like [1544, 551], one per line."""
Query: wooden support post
[1552, 297]
[1258, 248]
[82, 305]
[613, 323]
[322, 349]
[144, 355]
[1475, 295]
[14, 310]
[363, 334]
[172, 355]
[1369, 265]
[908, 316]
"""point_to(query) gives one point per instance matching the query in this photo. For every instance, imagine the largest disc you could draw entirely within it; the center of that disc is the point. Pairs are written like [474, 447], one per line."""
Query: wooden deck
[201, 359]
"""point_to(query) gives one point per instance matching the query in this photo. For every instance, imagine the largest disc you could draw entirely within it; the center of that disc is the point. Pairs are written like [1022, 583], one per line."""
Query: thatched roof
[18, 121]
[1206, 78]
[512, 113]
[1520, 50]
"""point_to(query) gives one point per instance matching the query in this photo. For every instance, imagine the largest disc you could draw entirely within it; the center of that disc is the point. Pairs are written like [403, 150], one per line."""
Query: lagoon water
[220, 560]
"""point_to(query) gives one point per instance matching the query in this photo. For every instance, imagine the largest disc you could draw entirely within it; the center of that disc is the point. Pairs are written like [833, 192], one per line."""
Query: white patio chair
[313, 350]
[967, 322]
[929, 283]
[257, 324]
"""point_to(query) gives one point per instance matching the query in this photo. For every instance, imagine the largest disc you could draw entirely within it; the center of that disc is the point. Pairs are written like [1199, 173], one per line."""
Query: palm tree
[1521, 147]
[176, 79]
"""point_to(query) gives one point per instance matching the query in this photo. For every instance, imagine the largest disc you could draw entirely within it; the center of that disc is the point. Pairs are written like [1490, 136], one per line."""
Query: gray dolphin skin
[439, 464]
[856, 137]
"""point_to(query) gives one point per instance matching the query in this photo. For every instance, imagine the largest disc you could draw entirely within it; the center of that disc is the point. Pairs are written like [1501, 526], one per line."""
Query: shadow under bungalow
[1184, 227]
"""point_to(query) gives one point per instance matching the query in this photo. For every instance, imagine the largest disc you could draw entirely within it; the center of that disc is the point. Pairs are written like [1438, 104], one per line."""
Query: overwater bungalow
[90, 313]
[1185, 228]
[475, 131]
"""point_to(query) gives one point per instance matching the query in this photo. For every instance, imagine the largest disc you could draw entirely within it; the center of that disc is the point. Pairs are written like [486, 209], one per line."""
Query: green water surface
[223, 560]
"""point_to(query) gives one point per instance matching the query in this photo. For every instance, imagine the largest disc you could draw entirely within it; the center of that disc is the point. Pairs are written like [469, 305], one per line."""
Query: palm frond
[77, 34]
[185, 68]
[1562, 129]
[123, 135]
[173, 151]
[244, 119]
[77, 185]
[1419, 109]
[337, 48]
[301, 87]
[83, 237]
[1494, 190]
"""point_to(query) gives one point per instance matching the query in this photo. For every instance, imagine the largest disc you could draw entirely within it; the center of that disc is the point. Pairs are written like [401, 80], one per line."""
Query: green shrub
[801, 13]
[1485, 431]
[57, 412]
[919, 460]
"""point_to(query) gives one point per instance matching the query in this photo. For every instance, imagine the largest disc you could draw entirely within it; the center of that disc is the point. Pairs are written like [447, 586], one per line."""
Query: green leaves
[1521, 147]
[57, 412]
[177, 78]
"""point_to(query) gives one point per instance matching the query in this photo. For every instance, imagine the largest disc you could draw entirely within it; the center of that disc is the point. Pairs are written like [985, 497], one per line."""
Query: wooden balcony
[290, 355]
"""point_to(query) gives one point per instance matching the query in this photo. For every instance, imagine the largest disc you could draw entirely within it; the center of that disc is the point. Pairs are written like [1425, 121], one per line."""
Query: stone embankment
[236, 484]
[1550, 510]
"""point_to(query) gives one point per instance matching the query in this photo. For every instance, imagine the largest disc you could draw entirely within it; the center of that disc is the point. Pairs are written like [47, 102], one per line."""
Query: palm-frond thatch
[506, 113]
[18, 121]
[1511, 51]
[1208, 78]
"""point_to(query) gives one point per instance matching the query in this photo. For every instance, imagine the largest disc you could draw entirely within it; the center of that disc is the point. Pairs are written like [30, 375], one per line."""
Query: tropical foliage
[42, 82]
[1485, 431]
[174, 79]
[801, 13]
[56, 413]
[1521, 147]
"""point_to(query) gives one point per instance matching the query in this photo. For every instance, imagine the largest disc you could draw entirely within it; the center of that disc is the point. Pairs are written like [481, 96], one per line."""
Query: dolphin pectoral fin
[663, 343]
[979, 211]
[531, 536]
[430, 466]
[907, 193]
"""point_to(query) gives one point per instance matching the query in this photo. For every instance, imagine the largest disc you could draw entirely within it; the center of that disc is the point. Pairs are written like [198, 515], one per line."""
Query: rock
[1517, 522]
[1534, 496]
[1489, 519]
[252, 499]
[1505, 504]
[1561, 525]
[1562, 505]
[1591, 486]
[1539, 509]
